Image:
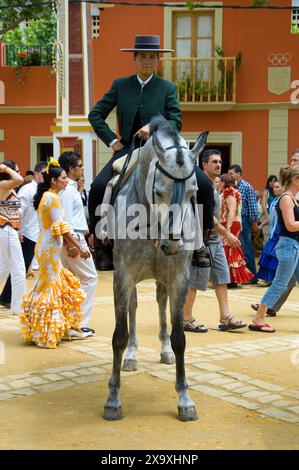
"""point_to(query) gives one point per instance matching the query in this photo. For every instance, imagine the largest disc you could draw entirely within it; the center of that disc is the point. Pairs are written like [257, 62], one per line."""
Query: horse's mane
[161, 124]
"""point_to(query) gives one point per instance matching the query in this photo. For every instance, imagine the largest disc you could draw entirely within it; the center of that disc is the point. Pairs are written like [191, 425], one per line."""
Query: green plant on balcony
[185, 87]
[26, 59]
[22, 60]
[205, 91]
[226, 83]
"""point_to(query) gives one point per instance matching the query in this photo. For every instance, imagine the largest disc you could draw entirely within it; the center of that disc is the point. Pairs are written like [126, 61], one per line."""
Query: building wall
[17, 130]
[254, 129]
[268, 133]
[28, 110]
[293, 129]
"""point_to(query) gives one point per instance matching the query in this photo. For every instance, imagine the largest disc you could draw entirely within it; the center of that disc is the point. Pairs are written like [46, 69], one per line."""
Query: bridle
[178, 190]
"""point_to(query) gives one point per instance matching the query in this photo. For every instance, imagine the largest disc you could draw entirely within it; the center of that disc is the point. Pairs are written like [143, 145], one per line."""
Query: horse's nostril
[164, 248]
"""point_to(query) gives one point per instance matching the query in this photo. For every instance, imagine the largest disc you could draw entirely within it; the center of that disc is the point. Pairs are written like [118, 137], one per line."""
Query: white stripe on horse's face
[169, 214]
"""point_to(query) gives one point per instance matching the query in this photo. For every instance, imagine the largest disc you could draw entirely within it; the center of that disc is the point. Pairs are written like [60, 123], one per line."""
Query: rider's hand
[144, 132]
[117, 146]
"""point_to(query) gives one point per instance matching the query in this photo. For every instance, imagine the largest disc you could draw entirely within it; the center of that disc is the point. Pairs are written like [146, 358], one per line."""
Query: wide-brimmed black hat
[147, 44]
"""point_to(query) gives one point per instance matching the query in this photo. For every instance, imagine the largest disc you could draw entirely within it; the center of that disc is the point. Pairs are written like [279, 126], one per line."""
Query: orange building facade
[245, 104]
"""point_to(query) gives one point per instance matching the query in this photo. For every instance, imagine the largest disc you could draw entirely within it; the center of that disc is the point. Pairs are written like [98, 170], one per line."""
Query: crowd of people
[47, 218]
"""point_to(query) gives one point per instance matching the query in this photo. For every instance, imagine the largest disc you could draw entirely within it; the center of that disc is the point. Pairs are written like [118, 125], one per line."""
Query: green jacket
[158, 97]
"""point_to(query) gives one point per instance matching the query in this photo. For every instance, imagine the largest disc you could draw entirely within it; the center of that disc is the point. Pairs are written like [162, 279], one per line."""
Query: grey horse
[164, 177]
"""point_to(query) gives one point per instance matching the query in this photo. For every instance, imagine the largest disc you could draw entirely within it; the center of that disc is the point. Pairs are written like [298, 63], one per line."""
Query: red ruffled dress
[239, 273]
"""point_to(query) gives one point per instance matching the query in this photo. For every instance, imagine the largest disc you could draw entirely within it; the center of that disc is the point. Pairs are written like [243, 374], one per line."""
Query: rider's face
[146, 64]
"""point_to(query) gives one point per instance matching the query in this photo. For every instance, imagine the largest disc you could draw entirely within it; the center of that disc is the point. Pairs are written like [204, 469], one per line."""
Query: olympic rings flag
[280, 58]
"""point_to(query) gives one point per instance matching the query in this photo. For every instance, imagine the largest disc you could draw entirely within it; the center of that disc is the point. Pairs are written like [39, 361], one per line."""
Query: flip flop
[263, 328]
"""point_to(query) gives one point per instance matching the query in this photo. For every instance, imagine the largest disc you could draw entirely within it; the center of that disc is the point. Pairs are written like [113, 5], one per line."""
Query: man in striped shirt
[249, 217]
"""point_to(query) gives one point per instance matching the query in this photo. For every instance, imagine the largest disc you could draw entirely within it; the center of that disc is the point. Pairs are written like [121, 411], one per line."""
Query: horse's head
[171, 183]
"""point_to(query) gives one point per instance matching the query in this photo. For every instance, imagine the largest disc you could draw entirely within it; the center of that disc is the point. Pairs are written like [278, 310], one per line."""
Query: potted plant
[34, 57]
[227, 73]
[22, 60]
[185, 88]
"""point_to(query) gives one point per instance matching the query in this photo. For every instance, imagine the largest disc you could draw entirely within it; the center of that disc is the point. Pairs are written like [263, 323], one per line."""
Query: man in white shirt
[29, 227]
[83, 269]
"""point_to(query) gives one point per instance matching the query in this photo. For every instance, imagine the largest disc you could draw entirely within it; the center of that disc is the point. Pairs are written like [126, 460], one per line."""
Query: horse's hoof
[187, 413]
[167, 358]
[112, 413]
[129, 365]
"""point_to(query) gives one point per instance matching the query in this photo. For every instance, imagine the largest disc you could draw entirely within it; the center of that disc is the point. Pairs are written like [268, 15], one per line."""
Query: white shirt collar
[72, 183]
[144, 82]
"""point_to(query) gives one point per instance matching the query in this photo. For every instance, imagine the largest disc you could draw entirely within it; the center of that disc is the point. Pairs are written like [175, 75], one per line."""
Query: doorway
[44, 151]
[225, 150]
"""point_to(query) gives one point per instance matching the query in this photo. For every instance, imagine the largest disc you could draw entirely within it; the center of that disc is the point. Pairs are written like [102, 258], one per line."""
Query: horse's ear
[199, 145]
[158, 147]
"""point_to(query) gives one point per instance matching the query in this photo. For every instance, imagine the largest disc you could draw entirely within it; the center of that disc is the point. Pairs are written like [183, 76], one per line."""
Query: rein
[178, 190]
[124, 169]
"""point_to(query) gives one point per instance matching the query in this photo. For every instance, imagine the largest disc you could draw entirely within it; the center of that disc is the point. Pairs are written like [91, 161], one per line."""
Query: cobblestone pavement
[207, 365]
[204, 376]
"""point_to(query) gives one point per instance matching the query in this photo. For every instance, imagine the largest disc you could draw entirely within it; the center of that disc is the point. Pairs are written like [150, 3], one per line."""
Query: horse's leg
[122, 287]
[130, 361]
[166, 355]
[177, 294]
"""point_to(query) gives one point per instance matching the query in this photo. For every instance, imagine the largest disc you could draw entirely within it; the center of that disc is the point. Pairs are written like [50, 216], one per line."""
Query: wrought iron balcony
[203, 80]
[27, 56]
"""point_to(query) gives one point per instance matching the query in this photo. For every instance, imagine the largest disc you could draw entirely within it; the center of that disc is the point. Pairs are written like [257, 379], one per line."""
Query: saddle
[123, 168]
[117, 182]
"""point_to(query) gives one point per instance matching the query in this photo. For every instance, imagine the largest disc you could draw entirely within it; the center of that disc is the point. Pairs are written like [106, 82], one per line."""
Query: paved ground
[245, 384]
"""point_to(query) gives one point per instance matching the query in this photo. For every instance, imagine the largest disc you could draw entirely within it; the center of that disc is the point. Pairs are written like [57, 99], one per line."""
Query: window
[295, 17]
[95, 23]
[193, 38]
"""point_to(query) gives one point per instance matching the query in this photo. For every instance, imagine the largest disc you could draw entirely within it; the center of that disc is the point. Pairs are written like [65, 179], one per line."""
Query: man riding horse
[137, 98]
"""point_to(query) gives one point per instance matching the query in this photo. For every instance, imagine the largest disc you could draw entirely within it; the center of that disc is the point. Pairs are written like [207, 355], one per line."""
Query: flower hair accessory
[52, 162]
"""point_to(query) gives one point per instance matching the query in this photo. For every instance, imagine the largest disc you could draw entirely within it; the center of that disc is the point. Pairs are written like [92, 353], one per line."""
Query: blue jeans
[287, 252]
[246, 243]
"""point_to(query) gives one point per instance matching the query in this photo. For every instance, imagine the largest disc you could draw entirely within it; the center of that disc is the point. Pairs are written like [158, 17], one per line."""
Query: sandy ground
[71, 417]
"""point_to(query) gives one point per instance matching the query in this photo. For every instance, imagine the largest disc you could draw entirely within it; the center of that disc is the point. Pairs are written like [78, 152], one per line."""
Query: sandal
[262, 327]
[231, 323]
[193, 326]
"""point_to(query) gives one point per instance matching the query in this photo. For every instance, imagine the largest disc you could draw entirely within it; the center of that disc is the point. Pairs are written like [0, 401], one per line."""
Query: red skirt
[239, 273]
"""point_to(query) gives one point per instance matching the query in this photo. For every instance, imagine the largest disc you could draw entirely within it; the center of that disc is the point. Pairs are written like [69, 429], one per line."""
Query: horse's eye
[159, 194]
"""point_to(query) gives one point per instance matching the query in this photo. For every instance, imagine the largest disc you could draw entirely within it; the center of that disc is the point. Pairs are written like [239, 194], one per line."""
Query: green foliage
[294, 29]
[227, 74]
[260, 3]
[37, 38]
[255, 3]
[11, 16]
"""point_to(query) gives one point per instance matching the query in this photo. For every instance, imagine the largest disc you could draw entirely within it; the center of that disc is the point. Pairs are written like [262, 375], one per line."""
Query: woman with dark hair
[266, 201]
[11, 257]
[287, 248]
[268, 195]
[268, 261]
[52, 309]
[230, 217]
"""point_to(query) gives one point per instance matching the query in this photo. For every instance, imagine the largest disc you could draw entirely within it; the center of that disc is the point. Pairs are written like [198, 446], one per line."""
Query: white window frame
[295, 17]
[168, 14]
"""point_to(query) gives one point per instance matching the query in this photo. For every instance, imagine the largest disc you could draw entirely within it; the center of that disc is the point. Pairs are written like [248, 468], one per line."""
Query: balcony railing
[203, 79]
[30, 56]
